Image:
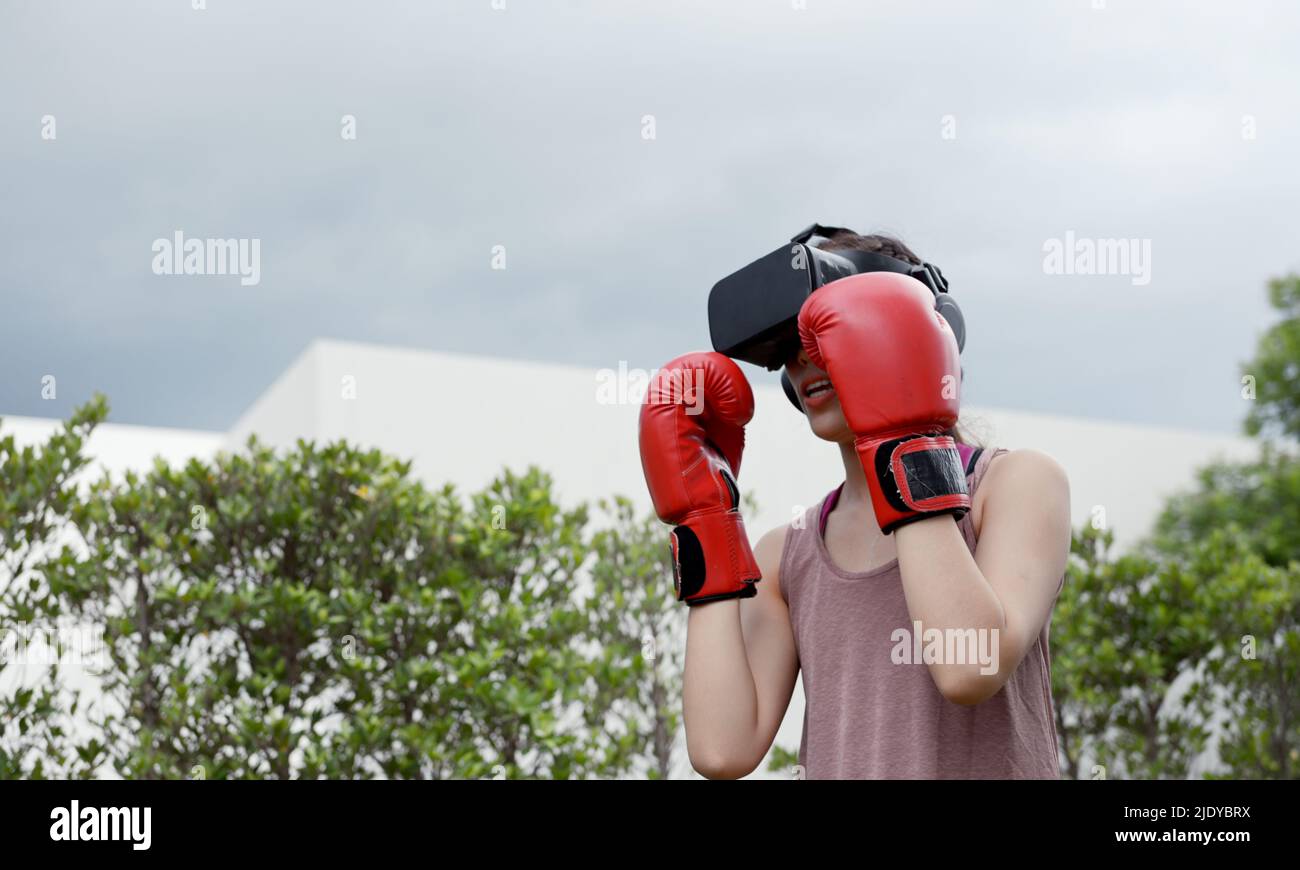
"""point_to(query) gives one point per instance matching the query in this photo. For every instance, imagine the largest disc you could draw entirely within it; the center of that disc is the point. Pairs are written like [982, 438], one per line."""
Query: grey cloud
[522, 128]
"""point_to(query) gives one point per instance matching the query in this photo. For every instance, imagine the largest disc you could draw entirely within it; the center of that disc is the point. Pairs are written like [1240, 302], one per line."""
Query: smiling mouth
[817, 388]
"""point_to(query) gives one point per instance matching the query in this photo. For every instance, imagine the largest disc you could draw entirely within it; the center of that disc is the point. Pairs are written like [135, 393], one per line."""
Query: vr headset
[754, 312]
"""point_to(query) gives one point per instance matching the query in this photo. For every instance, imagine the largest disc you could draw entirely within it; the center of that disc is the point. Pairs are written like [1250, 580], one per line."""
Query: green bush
[319, 613]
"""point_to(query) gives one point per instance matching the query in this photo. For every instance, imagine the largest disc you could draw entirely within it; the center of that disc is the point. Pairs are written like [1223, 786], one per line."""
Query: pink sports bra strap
[828, 505]
[969, 456]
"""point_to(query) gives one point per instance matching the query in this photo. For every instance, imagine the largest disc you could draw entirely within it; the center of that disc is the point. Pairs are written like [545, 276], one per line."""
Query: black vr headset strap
[817, 230]
[871, 261]
[790, 392]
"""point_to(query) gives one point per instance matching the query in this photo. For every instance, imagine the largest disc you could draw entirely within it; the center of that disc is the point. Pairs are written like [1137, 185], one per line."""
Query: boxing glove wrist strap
[912, 477]
[712, 560]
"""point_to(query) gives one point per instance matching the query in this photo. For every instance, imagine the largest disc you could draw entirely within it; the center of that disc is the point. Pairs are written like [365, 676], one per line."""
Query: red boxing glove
[893, 361]
[692, 434]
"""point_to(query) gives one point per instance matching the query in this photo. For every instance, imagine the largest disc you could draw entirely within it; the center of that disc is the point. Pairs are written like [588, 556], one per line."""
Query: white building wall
[115, 448]
[462, 418]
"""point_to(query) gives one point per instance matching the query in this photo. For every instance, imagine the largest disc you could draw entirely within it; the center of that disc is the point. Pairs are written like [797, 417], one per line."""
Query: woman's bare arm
[740, 673]
[1011, 581]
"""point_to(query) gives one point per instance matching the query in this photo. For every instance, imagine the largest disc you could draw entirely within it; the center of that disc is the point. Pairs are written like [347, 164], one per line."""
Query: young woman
[920, 627]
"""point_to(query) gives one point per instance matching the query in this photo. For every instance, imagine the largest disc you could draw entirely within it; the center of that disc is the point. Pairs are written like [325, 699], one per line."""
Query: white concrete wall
[462, 418]
[116, 448]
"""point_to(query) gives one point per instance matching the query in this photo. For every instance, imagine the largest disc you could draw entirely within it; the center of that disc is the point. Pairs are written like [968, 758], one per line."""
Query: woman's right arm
[741, 667]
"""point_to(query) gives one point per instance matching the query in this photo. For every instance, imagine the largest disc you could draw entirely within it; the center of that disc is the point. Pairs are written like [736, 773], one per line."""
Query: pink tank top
[866, 717]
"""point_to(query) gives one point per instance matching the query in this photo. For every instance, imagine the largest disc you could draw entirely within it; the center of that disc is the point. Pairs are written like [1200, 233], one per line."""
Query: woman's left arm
[1004, 592]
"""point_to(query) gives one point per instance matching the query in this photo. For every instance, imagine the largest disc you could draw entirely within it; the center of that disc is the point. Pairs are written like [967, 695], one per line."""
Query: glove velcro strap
[928, 472]
[912, 477]
[712, 560]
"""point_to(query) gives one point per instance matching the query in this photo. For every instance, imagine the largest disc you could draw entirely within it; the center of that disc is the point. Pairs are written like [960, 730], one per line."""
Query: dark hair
[878, 243]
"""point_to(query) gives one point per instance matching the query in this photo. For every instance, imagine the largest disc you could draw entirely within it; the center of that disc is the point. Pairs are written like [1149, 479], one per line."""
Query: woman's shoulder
[781, 544]
[769, 551]
[1024, 475]
[1024, 465]
[771, 543]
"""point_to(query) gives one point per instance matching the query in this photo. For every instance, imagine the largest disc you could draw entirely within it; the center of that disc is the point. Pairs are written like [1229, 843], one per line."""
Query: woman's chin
[827, 422]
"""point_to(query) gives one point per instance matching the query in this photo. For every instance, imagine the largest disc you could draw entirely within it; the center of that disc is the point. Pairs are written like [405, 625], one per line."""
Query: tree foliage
[637, 617]
[1124, 630]
[1275, 370]
[1194, 639]
[319, 613]
[38, 495]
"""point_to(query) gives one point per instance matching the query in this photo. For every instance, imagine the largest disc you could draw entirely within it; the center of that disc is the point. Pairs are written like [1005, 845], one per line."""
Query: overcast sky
[977, 131]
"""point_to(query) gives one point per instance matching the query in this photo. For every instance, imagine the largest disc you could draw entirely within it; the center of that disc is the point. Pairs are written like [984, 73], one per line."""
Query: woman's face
[818, 399]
